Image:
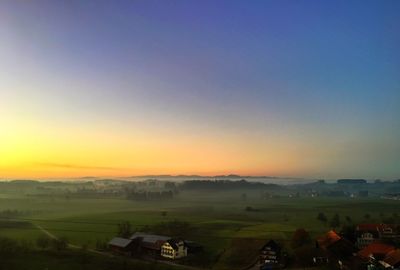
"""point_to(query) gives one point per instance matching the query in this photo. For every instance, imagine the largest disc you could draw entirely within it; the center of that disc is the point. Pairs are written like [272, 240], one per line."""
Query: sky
[120, 88]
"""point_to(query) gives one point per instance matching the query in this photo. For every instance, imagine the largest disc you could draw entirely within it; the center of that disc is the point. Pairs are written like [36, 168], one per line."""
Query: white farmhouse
[174, 249]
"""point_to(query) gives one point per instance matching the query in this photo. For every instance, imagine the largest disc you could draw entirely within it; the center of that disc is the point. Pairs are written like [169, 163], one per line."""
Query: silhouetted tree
[251, 209]
[60, 244]
[8, 247]
[349, 232]
[101, 245]
[125, 229]
[43, 242]
[348, 219]
[225, 185]
[322, 217]
[335, 221]
[300, 238]
[389, 220]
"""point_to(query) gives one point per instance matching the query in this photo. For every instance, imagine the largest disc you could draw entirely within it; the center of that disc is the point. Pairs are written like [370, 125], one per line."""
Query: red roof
[373, 227]
[368, 227]
[393, 258]
[375, 249]
[328, 239]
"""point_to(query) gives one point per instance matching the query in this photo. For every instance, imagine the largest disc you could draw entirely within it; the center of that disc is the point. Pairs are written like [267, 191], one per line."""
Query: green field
[218, 220]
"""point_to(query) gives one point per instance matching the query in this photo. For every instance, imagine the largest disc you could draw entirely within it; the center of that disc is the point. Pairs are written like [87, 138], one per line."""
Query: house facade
[271, 256]
[174, 249]
[368, 233]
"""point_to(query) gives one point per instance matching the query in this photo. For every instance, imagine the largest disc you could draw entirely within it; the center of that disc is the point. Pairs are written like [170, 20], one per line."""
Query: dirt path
[52, 236]
[49, 234]
[254, 266]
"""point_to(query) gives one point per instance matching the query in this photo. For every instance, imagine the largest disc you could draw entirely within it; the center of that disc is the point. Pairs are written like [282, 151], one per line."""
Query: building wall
[365, 239]
[169, 252]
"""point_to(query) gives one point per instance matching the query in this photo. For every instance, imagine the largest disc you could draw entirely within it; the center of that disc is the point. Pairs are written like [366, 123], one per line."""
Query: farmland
[229, 225]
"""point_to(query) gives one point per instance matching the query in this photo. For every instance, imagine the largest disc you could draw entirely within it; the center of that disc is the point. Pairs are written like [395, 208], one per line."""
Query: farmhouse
[380, 255]
[340, 251]
[174, 249]
[149, 243]
[368, 233]
[121, 245]
[271, 256]
[376, 251]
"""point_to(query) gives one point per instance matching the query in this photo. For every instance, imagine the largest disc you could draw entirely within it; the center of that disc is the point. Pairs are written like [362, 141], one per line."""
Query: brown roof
[120, 242]
[393, 257]
[156, 245]
[376, 249]
[150, 241]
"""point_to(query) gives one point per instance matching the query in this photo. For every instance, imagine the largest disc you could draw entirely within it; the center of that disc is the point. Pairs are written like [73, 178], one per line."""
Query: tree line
[225, 184]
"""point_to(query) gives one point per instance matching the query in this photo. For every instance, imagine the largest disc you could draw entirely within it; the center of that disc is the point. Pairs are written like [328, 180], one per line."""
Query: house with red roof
[370, 232]
[392, 260]
[341, 252]
[380, 255]
[376, 251]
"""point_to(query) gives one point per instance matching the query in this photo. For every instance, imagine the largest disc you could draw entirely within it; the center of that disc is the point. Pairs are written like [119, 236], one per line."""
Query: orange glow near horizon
[33, 147]
[31, 150]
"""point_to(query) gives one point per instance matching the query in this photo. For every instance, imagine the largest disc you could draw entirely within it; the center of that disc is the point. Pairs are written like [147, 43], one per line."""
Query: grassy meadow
[218, 220]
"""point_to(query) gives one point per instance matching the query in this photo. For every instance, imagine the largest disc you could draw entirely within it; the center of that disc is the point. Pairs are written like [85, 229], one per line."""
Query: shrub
[60, 244]
[43, 242]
